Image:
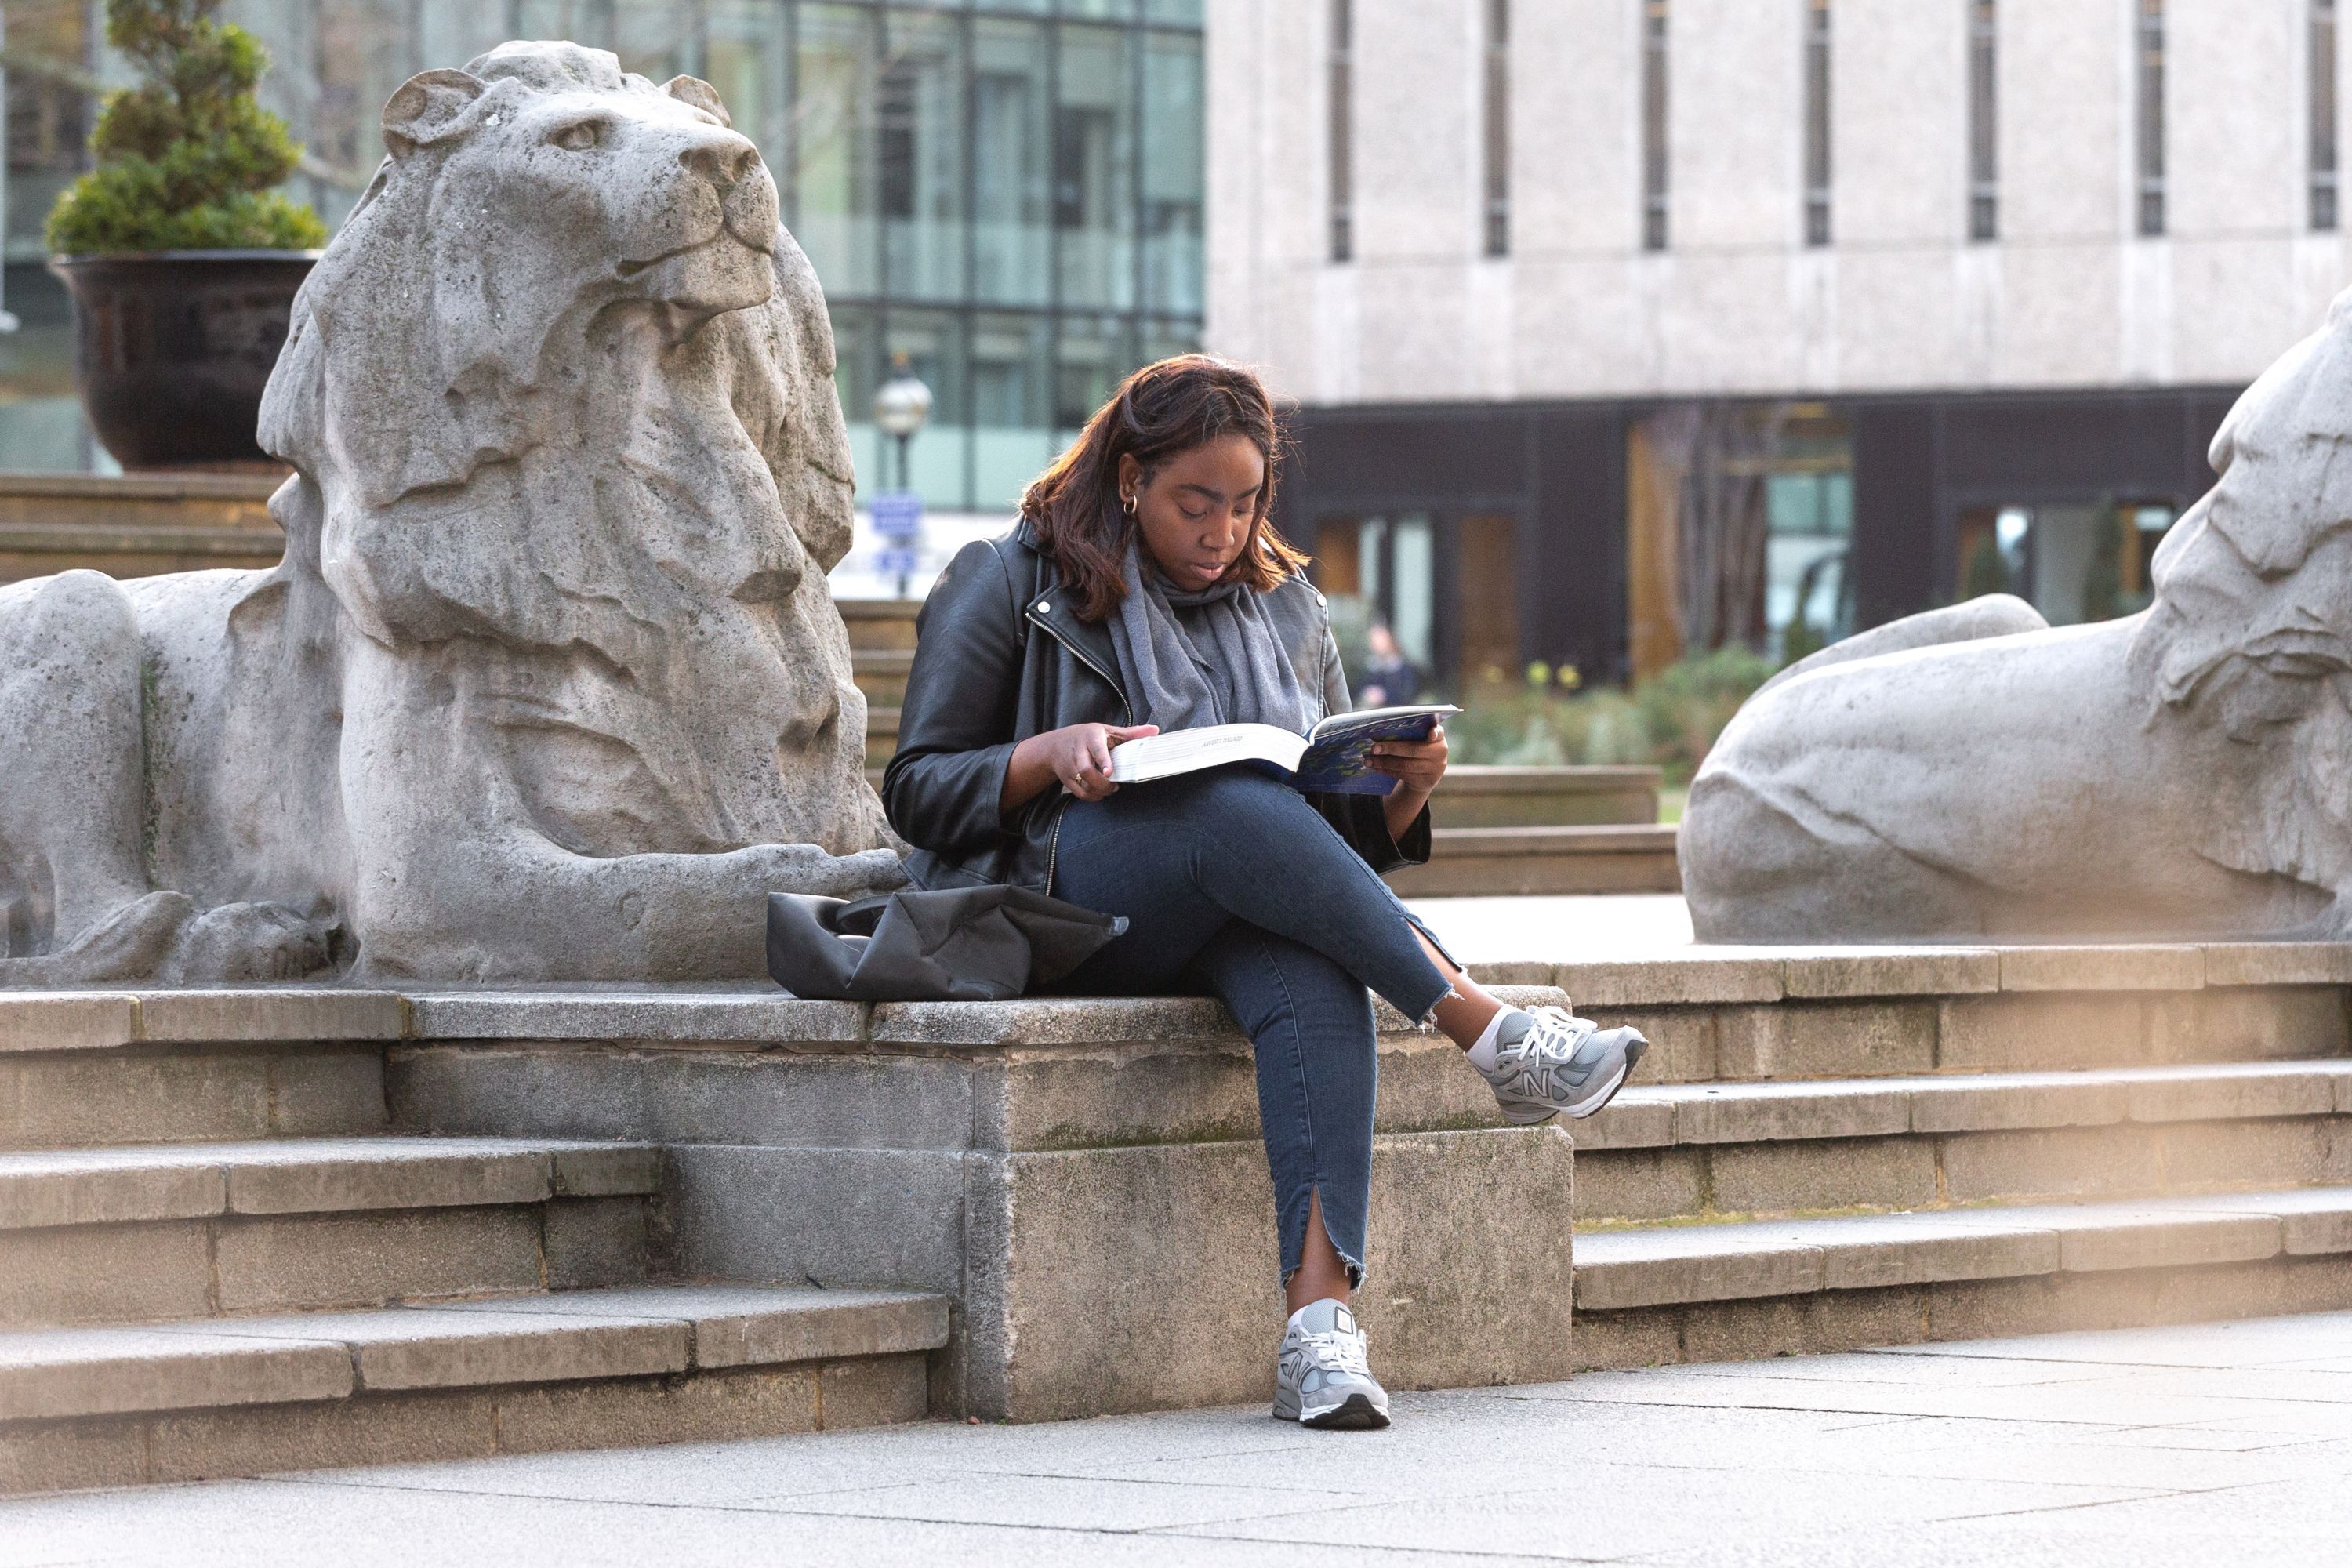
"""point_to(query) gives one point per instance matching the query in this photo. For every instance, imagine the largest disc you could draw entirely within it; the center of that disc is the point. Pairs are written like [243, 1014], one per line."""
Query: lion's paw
[134, 942]
[805, 869]
[232, 943]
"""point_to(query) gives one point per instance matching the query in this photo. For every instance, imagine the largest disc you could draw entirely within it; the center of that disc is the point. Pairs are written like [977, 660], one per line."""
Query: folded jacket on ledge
[954, 944]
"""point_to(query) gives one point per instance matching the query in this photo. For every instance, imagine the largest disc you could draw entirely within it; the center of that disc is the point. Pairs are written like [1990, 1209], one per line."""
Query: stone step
[881, 673]
[196, 1398]
[134, 525]
[121, 1235]
[881, 735]
[1478, 796]
[879, 623]
[1608, 858]
[1699, 1150]
[1707, 1292]
[88, 1068]
[224, 1090]
[1716, 1014]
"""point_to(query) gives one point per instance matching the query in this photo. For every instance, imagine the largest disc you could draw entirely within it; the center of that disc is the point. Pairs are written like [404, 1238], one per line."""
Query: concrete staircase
[1828, 1151]
[881, 651]
[135, 525]
[1509, 830]
[218, 1256]
[286, 1226]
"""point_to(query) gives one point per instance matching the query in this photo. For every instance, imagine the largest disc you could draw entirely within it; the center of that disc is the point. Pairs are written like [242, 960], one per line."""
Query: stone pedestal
[1084, 1177]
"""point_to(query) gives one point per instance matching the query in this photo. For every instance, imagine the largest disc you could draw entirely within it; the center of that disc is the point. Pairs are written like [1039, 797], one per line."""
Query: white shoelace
[1557, 1036]
[1337, 1352]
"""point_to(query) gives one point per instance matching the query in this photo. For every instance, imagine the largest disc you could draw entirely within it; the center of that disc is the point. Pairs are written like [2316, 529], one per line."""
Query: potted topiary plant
[182, 259]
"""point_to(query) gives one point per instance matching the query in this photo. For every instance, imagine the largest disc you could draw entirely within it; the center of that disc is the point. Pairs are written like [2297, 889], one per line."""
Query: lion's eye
[578, 138]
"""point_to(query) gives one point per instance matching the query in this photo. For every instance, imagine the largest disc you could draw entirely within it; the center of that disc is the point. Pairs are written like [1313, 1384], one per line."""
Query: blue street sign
[898, 515]
[894, 561]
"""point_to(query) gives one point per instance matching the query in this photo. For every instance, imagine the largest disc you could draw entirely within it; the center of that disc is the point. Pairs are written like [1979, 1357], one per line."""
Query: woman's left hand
[1416, 766]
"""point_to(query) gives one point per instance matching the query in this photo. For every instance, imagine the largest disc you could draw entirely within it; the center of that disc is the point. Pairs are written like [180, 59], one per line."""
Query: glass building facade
[1008, 193]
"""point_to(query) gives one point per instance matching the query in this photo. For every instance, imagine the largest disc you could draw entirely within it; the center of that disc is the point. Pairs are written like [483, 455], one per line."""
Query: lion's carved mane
[516, 443]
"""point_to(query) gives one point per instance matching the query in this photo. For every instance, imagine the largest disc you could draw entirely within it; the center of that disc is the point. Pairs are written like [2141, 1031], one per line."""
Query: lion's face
[679, 204]
[677, 207]
[2251, 583]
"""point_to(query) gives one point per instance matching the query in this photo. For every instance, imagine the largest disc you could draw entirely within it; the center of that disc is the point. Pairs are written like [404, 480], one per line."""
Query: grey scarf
[1194, 659]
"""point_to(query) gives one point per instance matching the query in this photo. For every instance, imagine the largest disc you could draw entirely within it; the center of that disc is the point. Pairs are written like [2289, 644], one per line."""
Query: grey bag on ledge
[952, 944]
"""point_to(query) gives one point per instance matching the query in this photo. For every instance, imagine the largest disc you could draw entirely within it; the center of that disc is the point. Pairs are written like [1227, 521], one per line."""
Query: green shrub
[1669, 720]
[186, 159]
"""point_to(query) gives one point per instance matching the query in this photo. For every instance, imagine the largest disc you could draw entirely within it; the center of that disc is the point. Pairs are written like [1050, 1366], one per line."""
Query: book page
[1214, 745]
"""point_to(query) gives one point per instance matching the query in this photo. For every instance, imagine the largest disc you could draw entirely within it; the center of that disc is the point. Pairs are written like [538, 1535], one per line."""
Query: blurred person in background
[1390, 678]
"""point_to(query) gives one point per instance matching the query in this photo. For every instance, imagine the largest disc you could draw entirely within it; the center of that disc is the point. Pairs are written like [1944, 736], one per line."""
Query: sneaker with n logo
[1320, 1376]
[1550, 1061]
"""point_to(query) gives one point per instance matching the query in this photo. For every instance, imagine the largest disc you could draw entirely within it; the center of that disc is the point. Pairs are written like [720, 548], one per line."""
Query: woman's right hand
[1076, 757]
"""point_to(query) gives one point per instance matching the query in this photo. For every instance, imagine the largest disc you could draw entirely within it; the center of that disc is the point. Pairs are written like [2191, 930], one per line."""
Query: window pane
[331, 67]
[1089, 359]
[656, 39]
[743, 58]
[1011, 405]
[587, 22]
[1817, 122]
[2321, 45]
[1173, 163]
[1498, 126]
[1342, 131]
[933, 344]
[919, 147]
[1653, 124]
[1166, 339]
[1093, 169]
[2150, 79]
[1984, 124]
[1011, 162]
[832, 194]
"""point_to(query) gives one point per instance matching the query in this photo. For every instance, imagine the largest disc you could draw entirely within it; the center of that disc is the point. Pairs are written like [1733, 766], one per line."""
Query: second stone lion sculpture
[1971, 773]
[549, 683]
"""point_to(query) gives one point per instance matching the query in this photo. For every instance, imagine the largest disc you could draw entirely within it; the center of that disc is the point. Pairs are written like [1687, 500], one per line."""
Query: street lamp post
[900, 408]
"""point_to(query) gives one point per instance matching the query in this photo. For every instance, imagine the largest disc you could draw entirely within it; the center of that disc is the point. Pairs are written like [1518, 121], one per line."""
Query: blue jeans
[1232, 885]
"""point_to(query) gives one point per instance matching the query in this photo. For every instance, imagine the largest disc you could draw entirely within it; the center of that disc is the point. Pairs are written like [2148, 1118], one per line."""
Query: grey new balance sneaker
[1548, 1061]
[1320, 1378]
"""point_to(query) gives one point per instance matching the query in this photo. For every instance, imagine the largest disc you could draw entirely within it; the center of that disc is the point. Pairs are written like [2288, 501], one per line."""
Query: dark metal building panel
[1573, 606]
[1898, 553]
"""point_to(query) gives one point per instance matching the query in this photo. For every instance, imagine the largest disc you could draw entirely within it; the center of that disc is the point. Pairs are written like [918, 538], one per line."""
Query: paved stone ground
[2216, 1444]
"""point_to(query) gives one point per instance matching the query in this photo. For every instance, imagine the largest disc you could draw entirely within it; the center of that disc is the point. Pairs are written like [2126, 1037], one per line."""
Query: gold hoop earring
[1128, 502]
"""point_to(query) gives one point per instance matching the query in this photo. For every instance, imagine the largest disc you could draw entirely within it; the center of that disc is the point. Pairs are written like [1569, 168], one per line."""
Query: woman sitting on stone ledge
[1144, 590]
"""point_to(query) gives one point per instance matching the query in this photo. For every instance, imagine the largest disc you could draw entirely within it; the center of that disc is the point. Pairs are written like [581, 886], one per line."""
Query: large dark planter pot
[172, 348]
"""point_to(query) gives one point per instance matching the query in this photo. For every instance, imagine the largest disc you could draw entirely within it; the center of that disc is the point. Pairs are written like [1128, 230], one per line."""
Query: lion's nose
[721, 160]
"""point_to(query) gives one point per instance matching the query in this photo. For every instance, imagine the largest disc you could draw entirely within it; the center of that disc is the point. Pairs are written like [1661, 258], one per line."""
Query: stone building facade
[1626, 327]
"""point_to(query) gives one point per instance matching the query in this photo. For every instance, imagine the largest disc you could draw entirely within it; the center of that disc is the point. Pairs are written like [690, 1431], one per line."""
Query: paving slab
[1811, 1461]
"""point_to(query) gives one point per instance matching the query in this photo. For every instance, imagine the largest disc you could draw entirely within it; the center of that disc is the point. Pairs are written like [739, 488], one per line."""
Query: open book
[1334, 757]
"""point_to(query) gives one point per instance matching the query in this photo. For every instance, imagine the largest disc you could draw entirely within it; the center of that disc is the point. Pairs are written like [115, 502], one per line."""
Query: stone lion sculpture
[1971, 773]
[549, 683]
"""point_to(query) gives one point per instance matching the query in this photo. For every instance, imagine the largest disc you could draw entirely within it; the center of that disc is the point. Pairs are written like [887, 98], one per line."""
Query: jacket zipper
[1054, 842]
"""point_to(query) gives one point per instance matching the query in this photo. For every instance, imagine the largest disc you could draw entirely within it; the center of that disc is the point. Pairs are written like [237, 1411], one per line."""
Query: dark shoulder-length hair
[1158, 413]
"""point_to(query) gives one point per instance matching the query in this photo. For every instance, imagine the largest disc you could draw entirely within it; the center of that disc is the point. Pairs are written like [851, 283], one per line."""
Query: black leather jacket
[1000, 656]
